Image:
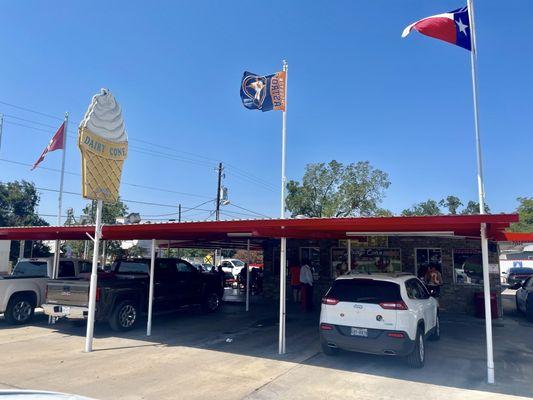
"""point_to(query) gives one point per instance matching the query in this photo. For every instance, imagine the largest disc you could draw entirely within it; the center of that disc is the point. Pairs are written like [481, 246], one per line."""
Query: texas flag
[452, 27]
[56, 143]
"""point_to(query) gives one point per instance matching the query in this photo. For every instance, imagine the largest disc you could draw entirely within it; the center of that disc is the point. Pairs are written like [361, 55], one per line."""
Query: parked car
[379, 314]
[24, 290]
[122, 295]
[524, 298]
[517, 276]
[232, 265]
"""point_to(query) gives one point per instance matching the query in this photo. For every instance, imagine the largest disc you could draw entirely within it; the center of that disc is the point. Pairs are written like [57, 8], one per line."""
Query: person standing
[306, 279]
[296, 285]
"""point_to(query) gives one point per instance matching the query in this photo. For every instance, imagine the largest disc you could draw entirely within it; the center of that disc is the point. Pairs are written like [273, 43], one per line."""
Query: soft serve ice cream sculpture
[103, 144]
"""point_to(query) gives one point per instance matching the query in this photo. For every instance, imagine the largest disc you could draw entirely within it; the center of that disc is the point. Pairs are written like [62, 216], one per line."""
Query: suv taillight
[393, 305]
[98, 290]
[326, 327]
[330, 301]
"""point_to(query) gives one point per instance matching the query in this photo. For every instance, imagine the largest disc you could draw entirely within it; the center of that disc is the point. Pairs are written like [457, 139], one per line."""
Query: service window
[467, 266]
[428, 265]
[311, 256]
[66, 269]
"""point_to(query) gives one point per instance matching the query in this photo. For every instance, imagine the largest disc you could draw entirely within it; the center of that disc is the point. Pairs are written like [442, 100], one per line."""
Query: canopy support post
[151, 292]
[488, 313]
[248, 275]
[282, 294]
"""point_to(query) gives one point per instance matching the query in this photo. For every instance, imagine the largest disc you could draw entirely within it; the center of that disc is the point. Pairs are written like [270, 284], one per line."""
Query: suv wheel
[417, 358]
[211, 302]
[124, 316]
[329, 351]
[436, 332]
[19, 309]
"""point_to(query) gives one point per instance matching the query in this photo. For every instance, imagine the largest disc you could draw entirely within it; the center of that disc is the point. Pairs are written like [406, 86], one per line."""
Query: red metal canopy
[523, 237]
[306, 228]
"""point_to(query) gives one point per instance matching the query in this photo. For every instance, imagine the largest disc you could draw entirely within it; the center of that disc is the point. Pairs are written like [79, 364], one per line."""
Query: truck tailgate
[68, 292]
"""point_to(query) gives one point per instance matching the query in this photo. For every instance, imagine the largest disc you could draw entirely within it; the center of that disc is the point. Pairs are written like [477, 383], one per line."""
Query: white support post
[248, 275]
[283, 245]
[282, 294]
[488, 313]
[94, 279]
[349, 246]
[151, 292]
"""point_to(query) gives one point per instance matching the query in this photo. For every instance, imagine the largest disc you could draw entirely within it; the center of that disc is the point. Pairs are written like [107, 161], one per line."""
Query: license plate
[65, 310]
[359, 332]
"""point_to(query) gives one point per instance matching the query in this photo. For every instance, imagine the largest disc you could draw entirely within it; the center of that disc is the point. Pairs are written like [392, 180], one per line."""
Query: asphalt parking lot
[233, 355]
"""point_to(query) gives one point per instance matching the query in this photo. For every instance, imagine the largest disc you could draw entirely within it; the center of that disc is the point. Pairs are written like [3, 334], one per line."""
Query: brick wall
[457, 298]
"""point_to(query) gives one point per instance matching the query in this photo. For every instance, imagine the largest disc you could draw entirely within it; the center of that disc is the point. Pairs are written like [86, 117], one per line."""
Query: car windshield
[364, 291]
[30, 268]
[525, 271]
[238, 263]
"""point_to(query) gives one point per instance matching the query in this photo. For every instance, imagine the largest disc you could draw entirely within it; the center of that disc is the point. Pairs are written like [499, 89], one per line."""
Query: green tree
[337, 190]
[110, 213]
[452, 203]
[18, 207]
[472, 208]
[525, 211]
[428, 207]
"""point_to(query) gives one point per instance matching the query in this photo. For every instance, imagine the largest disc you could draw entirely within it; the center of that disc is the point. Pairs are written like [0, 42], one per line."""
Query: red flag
[55, 144]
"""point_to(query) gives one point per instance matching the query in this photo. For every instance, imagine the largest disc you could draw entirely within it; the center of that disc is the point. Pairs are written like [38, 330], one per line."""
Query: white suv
[379, 314]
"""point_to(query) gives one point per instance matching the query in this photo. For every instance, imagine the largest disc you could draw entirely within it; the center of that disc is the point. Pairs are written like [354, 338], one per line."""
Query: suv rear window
[30, 268]
[365, 291]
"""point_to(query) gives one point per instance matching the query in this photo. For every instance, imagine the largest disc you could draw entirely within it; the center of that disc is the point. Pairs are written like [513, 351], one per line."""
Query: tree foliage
[337, 190]
[525, 211]
[18, 207]
[451, 205]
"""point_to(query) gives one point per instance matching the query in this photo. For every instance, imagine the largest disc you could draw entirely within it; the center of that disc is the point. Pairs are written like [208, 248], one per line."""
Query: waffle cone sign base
[101, 166]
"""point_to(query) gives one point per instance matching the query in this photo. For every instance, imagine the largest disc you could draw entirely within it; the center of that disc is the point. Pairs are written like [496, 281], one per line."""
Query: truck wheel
[436, 332]
[20, 309]
[124, 316]
[417, 358]
[211, 302]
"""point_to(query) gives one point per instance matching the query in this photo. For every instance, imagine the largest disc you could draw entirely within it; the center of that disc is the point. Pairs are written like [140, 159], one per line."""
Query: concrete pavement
[232, 355]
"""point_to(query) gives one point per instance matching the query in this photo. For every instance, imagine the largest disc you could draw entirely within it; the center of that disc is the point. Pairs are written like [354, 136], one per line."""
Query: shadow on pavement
[457, 360]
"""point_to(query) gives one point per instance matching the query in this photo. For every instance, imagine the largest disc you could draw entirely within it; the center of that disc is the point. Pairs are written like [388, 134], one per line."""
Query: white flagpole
[283, 247]
[60, 197]
[481, 194]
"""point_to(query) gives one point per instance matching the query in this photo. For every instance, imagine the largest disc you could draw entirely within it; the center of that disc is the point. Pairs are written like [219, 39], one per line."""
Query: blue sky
[357, 91]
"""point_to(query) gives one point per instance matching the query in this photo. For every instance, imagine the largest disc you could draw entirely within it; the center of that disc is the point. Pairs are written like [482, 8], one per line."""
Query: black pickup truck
[122, 293]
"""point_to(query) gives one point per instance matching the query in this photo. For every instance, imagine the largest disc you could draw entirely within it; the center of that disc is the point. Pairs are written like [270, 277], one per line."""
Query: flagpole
[60, 197]
[481, 194]
[283, 245]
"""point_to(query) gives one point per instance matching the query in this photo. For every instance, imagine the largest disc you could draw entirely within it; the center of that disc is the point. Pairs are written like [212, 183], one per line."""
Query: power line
[252, 178]
[123, 183]
[251, 211]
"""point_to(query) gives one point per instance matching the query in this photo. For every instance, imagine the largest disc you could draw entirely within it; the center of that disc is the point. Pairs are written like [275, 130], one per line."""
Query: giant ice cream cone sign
[103, 144]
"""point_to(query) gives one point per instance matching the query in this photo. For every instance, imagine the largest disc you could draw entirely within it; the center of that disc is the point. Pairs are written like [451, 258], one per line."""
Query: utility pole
[219, 185]
[179, 212]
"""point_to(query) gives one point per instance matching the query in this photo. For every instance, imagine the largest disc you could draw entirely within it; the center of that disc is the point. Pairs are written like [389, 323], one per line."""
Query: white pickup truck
[24, 290]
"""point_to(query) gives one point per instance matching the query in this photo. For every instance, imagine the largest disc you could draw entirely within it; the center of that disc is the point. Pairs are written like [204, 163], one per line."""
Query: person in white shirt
[306, 278]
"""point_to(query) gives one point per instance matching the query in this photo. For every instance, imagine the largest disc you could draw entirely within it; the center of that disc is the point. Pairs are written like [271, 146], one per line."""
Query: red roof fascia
[519, 236]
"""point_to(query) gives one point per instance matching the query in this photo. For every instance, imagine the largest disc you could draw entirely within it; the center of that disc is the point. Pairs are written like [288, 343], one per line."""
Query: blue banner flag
[263, 93]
